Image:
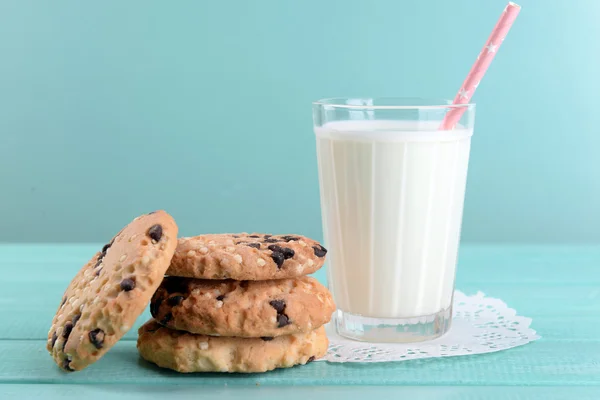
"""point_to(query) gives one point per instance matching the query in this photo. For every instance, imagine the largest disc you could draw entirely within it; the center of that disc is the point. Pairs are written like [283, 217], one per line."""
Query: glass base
[393, 330]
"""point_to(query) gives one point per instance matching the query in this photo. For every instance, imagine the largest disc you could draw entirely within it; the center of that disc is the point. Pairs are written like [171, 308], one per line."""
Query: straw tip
[510, 3]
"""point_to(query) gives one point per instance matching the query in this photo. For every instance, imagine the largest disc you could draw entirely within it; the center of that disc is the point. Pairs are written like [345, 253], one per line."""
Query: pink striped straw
[481, 65]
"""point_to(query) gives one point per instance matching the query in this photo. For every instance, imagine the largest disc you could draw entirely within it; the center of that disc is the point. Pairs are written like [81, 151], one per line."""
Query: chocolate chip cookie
[242, 308]
[188, 352]
[246, 257]
[107, 295]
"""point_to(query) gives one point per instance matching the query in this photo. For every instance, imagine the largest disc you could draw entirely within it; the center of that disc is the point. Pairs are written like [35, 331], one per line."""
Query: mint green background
[111, 109]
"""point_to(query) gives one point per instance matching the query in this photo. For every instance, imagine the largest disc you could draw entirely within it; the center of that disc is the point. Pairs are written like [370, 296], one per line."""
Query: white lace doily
[480, 325]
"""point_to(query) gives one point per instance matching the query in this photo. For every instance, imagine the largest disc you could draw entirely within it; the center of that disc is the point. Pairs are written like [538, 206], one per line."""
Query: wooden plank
[164, 391]
[541, 363]
[556, 286]
[27, 310]
[29, 300]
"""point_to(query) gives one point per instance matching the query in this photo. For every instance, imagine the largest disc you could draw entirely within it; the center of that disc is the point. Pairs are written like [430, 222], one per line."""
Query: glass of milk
[392, 190]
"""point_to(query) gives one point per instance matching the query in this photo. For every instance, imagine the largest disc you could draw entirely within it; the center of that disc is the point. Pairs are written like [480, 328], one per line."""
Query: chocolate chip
[287, 252]
[155, 232]
[274, 247]
[175, 300]
[64, 300]
[271, 240]
[282, 320]
[235, 236]
[278, 305]
[105, 248]
[255, 245]
[267, 338]
[253, 236]
[221, 297]
[311, 359]
[66, 365]
[155, 306]
[67, 330]
[76, 318]
[54, 337]
[127, 284]
[278, 258]
[97, 337]
[99, 261]
[289, 238]
[267, 236]
[320, 251]
[98, 271]
[152, 212]
[166, 319]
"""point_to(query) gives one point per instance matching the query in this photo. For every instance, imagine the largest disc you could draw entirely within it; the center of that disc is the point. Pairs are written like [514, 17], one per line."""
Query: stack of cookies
[239, 303]
[230, 303]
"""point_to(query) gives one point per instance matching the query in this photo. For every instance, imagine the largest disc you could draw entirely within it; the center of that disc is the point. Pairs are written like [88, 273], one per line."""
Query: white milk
[392, 199]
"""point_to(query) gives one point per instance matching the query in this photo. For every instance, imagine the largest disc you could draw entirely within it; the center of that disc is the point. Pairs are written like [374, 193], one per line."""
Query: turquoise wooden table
[558, 286]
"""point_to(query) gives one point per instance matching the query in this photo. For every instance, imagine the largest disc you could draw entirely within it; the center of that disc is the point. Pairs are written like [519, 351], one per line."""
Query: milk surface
[392, 198]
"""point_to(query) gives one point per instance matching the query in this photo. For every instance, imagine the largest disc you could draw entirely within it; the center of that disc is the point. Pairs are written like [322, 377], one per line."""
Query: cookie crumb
[260, 262]
[219, 304]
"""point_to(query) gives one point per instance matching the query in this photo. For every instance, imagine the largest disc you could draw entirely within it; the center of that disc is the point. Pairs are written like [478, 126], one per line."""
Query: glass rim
[404, 103]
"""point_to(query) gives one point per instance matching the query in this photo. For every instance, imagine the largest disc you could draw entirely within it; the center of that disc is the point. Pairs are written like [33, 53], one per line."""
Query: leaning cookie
[246, 257]
[188, 352]
[242, 308]
[105, 298]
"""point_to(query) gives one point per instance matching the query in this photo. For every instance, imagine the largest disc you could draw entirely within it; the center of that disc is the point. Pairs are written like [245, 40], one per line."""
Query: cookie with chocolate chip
[242, 308]
[246, 256]
[107, 295]
[188, 352]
